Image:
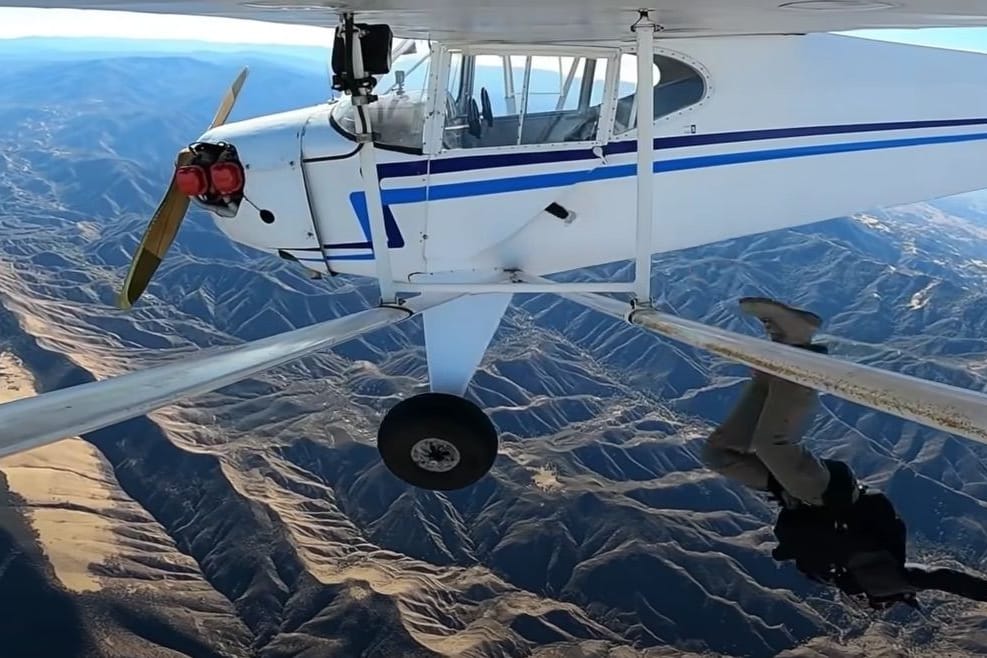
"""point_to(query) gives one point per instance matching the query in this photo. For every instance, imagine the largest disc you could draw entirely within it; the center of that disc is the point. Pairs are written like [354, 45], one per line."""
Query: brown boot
[783, 323]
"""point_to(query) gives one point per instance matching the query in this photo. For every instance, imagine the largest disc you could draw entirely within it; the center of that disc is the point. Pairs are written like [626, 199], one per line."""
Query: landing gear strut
[437, 441]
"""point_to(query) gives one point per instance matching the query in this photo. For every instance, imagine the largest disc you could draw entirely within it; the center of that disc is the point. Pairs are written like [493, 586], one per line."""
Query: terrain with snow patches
[259, 521]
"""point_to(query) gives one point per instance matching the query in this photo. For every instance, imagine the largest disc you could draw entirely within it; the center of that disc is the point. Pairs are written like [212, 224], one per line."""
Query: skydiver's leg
[728, 449]
[777, 441]
[787, 407]
[943, 579]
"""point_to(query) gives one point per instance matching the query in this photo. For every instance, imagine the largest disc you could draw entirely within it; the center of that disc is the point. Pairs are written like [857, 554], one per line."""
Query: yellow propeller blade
[223, 113]
[160, 233]
[163, 228]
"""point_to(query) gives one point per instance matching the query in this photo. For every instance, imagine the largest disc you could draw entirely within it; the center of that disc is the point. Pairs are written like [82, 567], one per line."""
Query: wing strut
[645, 32]
[948, 408]
[360, 87]
[36, 421]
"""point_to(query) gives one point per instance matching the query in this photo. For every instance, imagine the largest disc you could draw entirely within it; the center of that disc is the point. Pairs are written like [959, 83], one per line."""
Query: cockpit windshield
[398, 117]
[409, 67]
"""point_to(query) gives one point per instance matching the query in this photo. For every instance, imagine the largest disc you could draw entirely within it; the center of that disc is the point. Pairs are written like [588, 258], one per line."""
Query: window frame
[436, 111]
[679, 57]
[439, 82]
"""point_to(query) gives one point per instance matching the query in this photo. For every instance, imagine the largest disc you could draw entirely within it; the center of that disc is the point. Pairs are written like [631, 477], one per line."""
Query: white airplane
[494, 145]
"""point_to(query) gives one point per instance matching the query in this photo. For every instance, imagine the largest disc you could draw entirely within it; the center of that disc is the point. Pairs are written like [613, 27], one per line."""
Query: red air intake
[191, 180]
[227, 178]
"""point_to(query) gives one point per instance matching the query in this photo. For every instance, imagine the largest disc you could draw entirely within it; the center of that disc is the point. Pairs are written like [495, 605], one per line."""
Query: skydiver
[836, 530]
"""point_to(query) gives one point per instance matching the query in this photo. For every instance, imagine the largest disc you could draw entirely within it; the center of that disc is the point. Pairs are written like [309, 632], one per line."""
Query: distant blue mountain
[39, 49]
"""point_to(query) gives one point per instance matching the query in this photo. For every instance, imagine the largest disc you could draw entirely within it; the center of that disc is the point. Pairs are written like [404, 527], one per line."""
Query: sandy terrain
[66, 490]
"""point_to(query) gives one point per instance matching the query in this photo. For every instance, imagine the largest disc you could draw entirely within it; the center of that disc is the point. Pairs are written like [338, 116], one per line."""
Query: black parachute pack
[828, 543]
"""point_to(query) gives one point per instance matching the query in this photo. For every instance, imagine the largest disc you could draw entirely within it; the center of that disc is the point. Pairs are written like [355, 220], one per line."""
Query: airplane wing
[31, 422]
[948, 408]
[572, 20]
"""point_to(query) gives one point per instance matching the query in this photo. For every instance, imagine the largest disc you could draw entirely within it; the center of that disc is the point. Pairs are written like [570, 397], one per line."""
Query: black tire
[456, 433]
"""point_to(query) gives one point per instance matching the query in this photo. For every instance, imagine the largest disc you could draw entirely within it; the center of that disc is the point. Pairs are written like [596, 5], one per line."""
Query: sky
[15, 22]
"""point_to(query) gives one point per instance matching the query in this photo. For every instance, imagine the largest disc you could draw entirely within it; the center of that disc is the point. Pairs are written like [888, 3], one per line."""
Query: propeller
[163, 227]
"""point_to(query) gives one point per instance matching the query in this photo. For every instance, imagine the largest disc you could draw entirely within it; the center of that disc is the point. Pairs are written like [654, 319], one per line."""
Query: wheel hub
[435, 455]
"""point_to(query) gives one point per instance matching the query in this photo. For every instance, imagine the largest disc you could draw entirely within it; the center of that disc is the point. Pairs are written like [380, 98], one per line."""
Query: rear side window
[678, 86]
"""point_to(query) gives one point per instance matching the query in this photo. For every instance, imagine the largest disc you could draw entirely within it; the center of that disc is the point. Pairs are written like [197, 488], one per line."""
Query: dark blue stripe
[369, 256]
[683, 141]
[348, 245]
[565, 179]
[477, 162]
[699, 162]
[520, 183]
[338, 245]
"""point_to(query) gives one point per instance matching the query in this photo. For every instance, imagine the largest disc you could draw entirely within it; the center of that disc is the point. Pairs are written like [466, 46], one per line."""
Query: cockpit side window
[677, 87]
[509, 100]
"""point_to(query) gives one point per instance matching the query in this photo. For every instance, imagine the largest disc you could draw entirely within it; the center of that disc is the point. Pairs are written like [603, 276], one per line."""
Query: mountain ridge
[267, 498]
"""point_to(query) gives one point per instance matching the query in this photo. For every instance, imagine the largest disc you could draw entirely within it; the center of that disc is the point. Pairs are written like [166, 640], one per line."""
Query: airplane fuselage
[752, 134]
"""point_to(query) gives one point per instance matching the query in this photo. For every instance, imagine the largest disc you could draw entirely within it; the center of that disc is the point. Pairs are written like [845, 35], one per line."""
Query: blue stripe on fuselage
[607, 172]
[518, 159]
[564, 179]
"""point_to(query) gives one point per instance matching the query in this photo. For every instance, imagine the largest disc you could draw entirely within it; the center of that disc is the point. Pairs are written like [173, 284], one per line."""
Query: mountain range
[259, 521]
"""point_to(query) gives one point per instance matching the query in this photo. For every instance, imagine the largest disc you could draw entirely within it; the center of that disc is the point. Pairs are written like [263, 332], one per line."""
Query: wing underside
[32, 422]
[573, 20]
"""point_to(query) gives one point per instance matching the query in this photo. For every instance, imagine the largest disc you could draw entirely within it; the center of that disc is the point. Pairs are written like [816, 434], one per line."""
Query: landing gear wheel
[437, 441]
